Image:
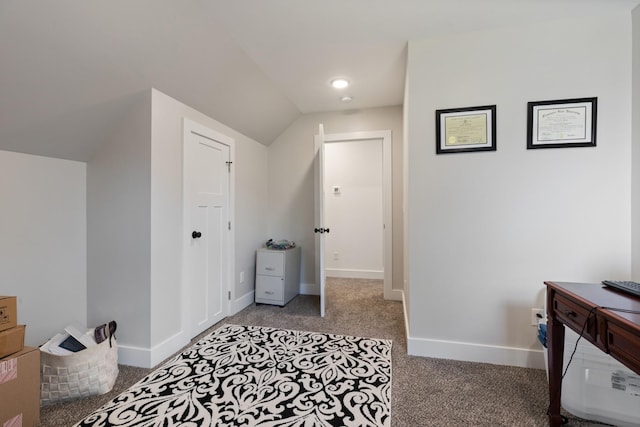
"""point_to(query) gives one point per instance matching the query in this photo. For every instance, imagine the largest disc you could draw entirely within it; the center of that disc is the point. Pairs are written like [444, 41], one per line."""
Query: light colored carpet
[425, 391]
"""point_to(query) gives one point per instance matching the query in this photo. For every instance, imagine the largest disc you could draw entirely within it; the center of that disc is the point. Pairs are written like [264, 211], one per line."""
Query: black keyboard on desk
[626, 286]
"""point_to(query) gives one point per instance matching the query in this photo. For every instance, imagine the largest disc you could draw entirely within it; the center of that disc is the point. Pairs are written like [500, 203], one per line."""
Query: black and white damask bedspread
[256, 376]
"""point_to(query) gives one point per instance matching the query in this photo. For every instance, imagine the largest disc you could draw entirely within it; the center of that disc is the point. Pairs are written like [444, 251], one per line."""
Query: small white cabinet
[277, 275]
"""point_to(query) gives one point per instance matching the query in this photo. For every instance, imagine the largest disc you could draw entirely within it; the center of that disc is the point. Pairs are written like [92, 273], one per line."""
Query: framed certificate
[460, 130]
[562, 123]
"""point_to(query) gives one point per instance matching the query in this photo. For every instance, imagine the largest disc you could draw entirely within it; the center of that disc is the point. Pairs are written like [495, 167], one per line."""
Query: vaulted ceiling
[69, 68]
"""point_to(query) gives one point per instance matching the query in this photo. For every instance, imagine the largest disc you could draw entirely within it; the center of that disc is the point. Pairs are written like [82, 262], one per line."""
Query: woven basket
[86, 373]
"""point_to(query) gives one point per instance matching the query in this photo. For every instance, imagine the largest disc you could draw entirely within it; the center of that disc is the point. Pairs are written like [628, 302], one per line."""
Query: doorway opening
[357, 191]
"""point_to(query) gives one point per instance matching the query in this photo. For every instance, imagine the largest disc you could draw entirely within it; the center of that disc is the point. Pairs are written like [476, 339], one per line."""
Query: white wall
[250, 170]
[118, 218]
[135, 215]
[291, 202]
[43, 241]
[486, 229]
[635, 160]
[354, 247]
[251, 220]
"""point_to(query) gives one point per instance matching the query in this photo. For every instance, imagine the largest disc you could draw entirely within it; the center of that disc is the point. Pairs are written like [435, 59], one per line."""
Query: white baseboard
[150, 357]
[497, 355]
[406, 316]
[394, 295]
[241, 303]
[309, 289]
[469, 352]
[354, 274]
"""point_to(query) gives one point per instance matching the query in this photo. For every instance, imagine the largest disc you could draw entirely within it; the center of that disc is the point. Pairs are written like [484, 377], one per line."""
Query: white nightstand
[277, 275]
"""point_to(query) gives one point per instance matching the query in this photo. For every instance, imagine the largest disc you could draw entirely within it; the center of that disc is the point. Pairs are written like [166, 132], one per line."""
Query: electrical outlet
[336, 256]
[537, 314]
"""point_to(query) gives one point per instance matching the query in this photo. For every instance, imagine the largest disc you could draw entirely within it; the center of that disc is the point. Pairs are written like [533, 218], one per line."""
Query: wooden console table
[605, 317]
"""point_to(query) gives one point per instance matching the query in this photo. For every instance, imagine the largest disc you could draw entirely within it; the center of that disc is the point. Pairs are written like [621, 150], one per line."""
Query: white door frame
[385, 135]
[189, 127]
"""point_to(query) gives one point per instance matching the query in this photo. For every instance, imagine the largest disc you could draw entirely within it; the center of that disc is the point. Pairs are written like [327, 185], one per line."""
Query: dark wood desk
[598, 312]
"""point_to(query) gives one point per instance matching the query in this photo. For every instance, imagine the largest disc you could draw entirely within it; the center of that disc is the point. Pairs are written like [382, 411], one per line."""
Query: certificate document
[465, 129]
[561, 124]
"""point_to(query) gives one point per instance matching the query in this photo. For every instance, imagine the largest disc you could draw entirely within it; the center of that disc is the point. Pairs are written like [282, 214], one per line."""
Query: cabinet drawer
[623, 345]
[269, 288]
[270, 263]
[575, 316]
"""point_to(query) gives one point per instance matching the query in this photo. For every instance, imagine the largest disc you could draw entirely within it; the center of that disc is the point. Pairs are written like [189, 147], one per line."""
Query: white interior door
[206, 228]
[320, 229]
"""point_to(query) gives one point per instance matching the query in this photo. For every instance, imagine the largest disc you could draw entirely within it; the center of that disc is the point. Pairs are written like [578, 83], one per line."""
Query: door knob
[196, 234]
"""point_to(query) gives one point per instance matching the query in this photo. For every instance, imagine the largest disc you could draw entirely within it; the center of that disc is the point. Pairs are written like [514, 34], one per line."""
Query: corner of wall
[635, 146]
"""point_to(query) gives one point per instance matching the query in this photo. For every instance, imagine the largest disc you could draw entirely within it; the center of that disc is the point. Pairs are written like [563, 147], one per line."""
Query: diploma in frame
[562, 123]
[460, 130]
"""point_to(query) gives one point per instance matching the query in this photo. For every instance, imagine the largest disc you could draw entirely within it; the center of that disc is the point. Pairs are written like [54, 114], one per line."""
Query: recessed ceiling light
[346, 99]
[339, 83]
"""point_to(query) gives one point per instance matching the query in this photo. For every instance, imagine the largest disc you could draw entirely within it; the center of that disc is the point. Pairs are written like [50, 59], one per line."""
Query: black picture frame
[468, 129]
[562, 123]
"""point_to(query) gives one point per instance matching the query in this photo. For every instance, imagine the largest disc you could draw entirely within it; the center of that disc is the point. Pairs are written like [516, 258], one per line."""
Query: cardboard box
[20, 388]
[8, 313]
[11, 340]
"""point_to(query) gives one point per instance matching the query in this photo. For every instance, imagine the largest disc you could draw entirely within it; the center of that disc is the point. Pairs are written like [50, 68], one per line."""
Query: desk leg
[555, 352]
